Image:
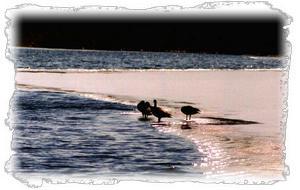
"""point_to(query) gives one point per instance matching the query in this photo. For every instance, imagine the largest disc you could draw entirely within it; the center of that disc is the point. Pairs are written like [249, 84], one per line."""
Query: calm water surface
[34, 58]
[64, 133]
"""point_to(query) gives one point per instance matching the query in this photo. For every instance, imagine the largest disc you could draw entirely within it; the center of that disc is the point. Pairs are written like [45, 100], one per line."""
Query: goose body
[144, 108]
[189, 111]
[158, 112]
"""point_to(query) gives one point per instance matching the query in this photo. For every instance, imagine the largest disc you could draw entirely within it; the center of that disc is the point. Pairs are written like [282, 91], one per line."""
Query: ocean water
[63, 133]
[71, 131]
[34, 58]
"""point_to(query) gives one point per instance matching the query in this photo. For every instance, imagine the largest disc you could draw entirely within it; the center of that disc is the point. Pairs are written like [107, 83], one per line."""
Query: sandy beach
[237, 151]
[249, 95]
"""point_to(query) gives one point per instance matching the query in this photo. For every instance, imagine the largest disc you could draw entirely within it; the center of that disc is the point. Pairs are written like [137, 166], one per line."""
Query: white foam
[30, 70]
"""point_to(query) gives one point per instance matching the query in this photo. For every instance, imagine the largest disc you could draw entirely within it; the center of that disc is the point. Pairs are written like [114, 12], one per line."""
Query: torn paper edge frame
[210, 7]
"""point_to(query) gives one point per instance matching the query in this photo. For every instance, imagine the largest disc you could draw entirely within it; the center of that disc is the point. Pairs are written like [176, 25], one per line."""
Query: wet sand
[232, 152]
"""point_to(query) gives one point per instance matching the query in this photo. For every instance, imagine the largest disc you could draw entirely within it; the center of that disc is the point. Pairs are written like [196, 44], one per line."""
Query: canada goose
[144, 108]
[158, 112]
[189, 111]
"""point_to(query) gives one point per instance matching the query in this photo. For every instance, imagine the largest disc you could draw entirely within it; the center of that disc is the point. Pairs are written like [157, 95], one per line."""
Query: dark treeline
[224, 36]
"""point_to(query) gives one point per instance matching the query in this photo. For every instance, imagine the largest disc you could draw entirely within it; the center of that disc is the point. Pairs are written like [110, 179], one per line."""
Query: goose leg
[186, 117]
[158, 119]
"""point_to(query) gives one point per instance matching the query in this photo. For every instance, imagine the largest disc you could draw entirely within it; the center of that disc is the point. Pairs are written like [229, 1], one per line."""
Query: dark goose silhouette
[144, 108]
[158, 112]
[189, 111]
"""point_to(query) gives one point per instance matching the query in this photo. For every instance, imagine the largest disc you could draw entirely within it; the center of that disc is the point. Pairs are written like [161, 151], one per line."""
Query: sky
[237, 36]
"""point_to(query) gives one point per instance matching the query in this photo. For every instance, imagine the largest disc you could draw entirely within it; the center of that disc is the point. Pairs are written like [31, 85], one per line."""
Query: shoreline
[110, 98]
[28, 70]
[210, 146]
[227, 92]
[247, 95]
